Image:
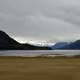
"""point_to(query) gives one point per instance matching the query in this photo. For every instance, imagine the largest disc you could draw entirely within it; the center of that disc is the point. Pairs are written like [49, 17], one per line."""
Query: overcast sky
[53, 20]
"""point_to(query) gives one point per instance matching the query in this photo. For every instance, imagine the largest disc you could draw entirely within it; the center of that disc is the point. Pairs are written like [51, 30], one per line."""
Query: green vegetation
[18, 68]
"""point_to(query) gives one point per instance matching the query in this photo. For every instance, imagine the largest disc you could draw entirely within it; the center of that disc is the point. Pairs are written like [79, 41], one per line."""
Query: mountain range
[67, 45]
[59, 45]
[8, 43]
[72, 46]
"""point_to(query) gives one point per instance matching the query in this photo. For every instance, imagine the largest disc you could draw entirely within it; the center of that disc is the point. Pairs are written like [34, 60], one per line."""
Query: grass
[17, 68]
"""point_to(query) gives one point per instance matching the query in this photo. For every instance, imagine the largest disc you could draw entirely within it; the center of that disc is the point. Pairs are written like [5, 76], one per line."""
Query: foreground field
[16, 68]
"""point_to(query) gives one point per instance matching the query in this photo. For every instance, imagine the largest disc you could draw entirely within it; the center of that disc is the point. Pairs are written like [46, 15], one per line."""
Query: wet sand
[39, 68]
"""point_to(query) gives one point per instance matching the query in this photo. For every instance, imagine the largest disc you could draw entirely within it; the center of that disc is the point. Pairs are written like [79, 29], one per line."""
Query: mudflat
[37, 68]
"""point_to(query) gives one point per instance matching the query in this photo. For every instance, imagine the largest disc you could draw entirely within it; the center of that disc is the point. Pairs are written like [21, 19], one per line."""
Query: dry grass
[16, 68]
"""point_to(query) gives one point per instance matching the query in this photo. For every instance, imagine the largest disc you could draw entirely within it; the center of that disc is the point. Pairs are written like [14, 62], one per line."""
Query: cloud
[41, 19]
[51, 27]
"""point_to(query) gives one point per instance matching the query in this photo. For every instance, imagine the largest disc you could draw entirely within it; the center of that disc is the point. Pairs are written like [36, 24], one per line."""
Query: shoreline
[44, 56]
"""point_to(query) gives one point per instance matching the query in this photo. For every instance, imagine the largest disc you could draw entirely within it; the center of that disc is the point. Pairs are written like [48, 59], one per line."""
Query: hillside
[8, 43]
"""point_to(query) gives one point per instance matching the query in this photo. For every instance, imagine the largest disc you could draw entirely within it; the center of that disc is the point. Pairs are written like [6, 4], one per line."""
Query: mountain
[73, 46]
[59, 45]
[8, 43]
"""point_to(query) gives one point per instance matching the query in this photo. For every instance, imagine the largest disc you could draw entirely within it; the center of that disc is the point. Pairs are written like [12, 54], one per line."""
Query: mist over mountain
[8, 43]
[59, 45]
[75, 45]
[67, 45]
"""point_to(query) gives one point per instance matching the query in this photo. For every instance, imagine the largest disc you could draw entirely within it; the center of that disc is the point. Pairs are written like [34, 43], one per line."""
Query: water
[32, 53]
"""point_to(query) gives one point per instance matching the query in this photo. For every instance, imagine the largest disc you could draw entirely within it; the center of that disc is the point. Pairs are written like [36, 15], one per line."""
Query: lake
[33, 53]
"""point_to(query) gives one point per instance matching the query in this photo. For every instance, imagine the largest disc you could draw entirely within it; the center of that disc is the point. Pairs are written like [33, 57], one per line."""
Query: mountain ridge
[74, 45]
[8, 43]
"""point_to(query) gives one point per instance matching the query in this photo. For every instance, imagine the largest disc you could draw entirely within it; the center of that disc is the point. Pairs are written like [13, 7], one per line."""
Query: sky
[41, 20]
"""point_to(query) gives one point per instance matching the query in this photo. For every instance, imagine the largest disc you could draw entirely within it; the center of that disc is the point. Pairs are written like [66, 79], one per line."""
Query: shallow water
[32, 53]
